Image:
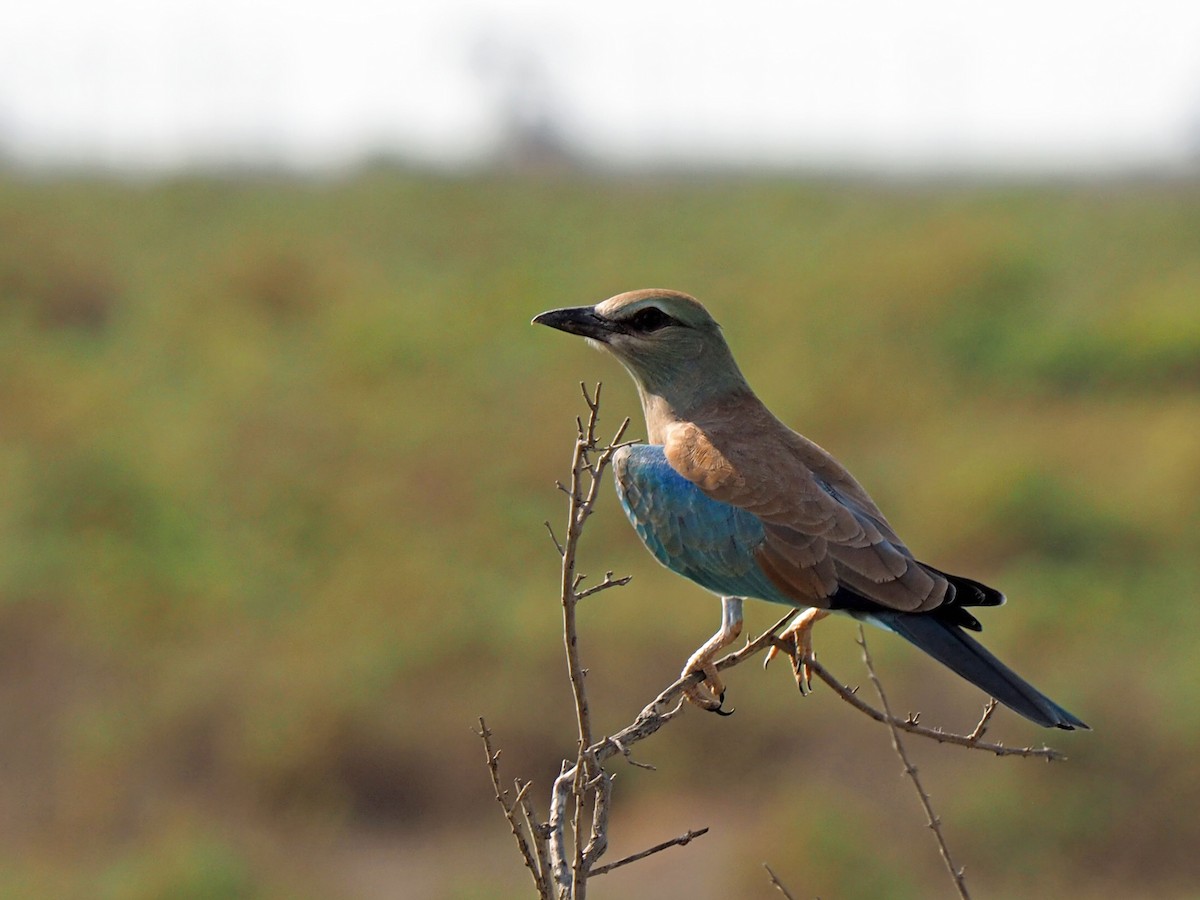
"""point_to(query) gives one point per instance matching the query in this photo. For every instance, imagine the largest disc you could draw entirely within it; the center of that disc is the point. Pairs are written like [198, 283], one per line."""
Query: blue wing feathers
[705, 540]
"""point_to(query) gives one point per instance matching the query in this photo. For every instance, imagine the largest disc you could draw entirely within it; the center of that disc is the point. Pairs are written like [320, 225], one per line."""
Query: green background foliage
[275, 457]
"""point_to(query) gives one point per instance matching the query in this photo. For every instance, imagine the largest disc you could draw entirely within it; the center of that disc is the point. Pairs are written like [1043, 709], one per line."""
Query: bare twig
[935, 822]
[629, 756]
[913, 726]
[537, 833]
[608, 582]
[588, 463]
[532, 859]
[583, 502]
[557, 544]
[778, 884]
[681, 841]
[978, 731]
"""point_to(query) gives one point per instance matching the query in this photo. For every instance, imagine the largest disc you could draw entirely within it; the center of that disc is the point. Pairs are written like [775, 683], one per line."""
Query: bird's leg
[710, 693]
[796, 642]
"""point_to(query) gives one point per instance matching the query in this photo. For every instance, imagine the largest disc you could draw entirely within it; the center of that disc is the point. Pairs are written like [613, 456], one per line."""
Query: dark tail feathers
[946, 642]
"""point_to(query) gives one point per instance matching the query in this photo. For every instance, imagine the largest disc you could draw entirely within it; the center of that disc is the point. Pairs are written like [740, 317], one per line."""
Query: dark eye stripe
[649, 319]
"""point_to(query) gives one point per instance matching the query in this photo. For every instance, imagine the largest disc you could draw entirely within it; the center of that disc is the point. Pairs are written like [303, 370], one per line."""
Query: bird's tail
[954, 648]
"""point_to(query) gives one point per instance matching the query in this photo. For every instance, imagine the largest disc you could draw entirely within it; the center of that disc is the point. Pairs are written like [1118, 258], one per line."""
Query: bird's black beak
[581, 320]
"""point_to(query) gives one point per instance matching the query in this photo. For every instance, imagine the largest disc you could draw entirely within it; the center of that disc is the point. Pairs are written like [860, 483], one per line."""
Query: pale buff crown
[678, 305]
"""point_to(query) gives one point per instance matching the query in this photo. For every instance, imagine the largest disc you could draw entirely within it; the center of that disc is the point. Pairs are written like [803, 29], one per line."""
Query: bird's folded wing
[823, 537]
[710, 542]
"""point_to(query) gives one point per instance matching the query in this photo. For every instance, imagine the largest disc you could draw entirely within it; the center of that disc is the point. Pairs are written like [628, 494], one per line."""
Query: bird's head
[669, 343]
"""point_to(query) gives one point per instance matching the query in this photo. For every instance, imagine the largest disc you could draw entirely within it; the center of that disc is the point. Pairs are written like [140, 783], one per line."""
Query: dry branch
[935, 822]
[533, 857]
[560, 866]
[912, 724]
[681, 841]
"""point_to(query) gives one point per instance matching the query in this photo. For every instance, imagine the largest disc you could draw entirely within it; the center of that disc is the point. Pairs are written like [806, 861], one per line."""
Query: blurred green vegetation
[275, 455]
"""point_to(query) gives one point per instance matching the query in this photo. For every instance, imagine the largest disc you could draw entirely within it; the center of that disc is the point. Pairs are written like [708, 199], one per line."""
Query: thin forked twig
[588, 463]
[935, 822]
[583, 502]
[531, 857]
[978, 731]
[608, 582]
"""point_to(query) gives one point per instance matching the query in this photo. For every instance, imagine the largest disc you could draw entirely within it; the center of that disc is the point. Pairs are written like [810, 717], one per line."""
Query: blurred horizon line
[556, 159]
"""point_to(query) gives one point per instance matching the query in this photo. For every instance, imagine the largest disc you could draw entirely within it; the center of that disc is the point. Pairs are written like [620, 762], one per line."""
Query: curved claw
[772, 652]
[778, 645]
[709, 692]
[796, 643]
[803, 678]
[719, 709]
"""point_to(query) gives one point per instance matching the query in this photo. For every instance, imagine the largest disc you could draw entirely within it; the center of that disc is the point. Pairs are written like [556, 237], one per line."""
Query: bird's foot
[796, 642]
[708, 694]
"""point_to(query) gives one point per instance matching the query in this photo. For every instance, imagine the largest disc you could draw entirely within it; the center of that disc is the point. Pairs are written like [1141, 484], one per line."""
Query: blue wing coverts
[705, 540]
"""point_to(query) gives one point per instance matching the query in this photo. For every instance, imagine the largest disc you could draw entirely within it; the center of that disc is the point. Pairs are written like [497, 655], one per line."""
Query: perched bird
[727, 495]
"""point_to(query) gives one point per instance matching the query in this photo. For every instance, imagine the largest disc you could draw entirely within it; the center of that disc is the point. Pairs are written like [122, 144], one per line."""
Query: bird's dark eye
[649, 319]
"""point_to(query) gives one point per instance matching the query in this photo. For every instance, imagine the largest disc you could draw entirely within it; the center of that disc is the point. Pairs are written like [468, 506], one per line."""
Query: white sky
[879, 83]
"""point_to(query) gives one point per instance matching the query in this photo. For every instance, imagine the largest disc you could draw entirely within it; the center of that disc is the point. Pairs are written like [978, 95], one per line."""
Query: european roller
[727, 495]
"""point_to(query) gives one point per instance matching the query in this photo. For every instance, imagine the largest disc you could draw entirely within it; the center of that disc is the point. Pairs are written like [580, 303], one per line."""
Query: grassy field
[275, 457]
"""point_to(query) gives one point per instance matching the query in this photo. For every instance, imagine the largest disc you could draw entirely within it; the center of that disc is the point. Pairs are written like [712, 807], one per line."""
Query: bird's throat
[659, 416]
